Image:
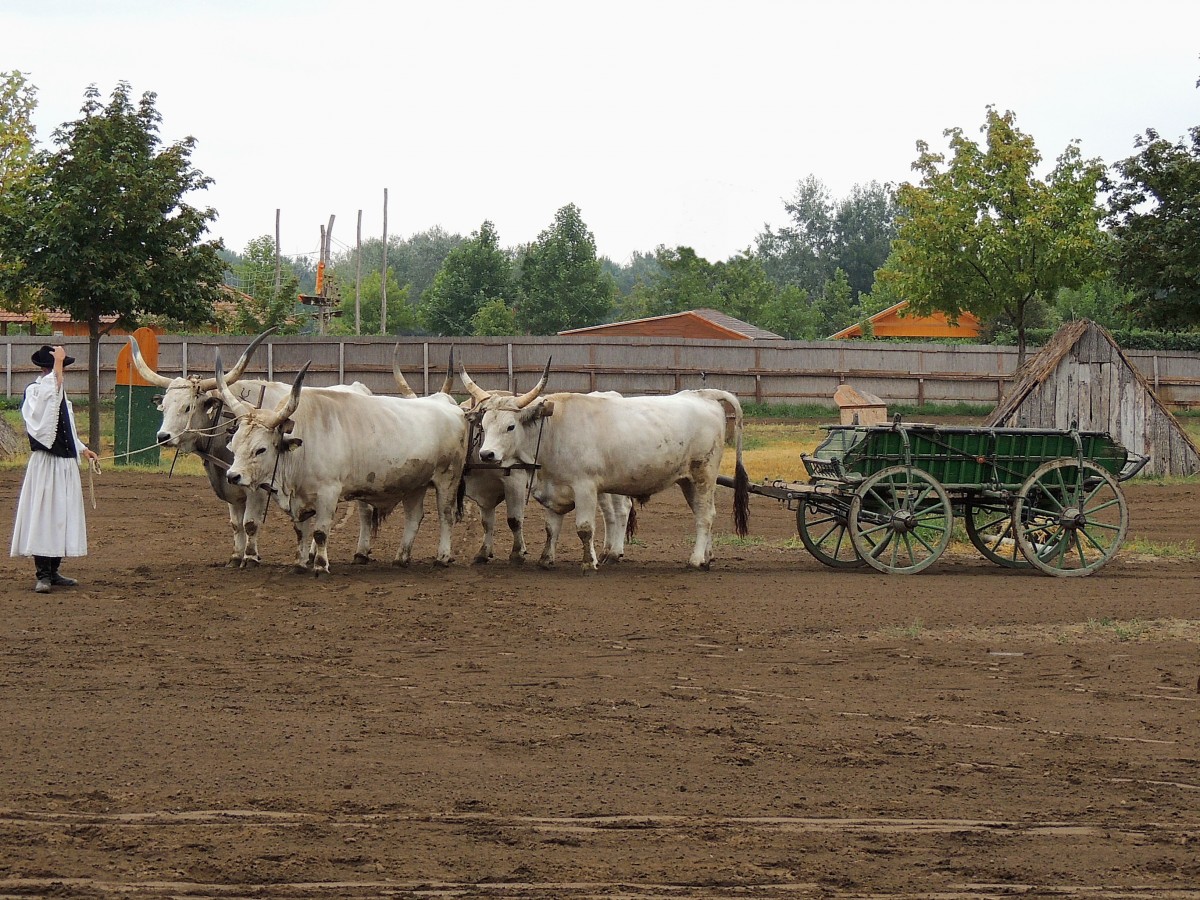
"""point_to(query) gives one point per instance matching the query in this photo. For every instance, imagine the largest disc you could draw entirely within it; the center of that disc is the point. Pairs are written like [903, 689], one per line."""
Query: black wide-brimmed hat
[44, 358]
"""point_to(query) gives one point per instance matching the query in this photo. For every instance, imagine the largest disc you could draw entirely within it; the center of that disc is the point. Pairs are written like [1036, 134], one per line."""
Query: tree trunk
[93, 440]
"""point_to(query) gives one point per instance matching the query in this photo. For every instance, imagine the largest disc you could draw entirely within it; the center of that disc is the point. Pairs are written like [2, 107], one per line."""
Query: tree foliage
[259, 306]
[473, 274]
[562, 282]
[982, 232]
[495, 318]
[101, 227]
[1154, 214]
[853, 234]
[18, 100]
[401, 313]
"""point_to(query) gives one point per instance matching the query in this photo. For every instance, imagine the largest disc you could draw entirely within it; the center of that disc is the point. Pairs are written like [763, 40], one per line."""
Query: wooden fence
[763, 371]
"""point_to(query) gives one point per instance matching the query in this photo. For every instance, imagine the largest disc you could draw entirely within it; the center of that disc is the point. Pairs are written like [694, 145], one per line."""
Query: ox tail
[631, 522]
[460, 498]
[741, 481]
[377, 520]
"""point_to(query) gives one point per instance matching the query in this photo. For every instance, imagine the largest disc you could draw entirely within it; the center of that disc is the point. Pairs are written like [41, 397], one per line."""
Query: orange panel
[127, 373]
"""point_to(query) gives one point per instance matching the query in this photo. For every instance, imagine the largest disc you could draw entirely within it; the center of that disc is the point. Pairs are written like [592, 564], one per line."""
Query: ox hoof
[443, 561]
[516, 559]
[318, 572]
[546, 564]
[400, 563]
[361, 559]
[610, 559]
[298, 569]
[234, 562]
[481, 559]
[250, 562]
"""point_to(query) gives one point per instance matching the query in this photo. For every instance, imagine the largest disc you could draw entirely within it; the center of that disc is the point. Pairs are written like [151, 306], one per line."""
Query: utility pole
[383, 282]
[358, 278]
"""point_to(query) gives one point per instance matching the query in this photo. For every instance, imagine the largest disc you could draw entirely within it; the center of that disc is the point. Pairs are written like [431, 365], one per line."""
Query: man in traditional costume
[50, 519]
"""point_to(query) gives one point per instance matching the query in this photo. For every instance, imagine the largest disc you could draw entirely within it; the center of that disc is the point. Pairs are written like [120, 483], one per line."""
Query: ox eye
[511, 427]
[260, 451]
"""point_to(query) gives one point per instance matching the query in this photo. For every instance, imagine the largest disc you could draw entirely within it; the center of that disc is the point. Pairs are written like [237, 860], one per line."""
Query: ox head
[262, 436]
[507, 421]
[187, 404]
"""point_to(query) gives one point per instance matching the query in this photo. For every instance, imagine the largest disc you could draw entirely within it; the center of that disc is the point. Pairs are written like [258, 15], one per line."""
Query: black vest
[64, 440]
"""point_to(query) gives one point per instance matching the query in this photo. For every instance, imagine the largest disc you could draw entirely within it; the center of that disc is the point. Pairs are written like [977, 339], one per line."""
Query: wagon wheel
[1071, 517]
[823, 533]
[990, 528]
[900, 520]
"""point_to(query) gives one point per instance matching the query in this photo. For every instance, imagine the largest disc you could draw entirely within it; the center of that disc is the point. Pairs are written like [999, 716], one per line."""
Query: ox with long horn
[199, 385]
[479, 395]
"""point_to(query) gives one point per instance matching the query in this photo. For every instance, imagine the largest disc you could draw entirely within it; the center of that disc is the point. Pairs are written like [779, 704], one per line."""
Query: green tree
[261, 306]
[790, 313]
[495, 318]
[402, 315]
[836, 304]
[825, 234]
[100, 226]
[1154, 216]
[473, 274]
[562, 282]
[683, 280]
[1104, 301]
[18, 100]
[982, 232]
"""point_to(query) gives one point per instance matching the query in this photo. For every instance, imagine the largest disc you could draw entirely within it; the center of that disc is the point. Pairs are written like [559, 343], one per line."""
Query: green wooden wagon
[886, 496]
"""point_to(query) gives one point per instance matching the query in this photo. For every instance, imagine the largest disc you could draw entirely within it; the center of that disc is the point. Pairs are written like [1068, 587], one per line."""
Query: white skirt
[50, 519]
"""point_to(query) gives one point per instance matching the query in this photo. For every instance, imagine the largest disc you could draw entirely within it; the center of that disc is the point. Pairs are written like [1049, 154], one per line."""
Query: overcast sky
[676, 123]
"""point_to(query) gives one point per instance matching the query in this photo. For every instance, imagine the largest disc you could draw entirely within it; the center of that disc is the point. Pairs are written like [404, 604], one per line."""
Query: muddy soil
[770, 728]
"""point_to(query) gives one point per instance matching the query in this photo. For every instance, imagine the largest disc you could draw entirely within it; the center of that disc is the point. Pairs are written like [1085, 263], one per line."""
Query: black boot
[45, 572]
[59, 580]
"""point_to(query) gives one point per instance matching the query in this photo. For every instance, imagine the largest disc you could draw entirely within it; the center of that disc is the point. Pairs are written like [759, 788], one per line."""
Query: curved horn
[401, 382]
[144, 370]
[236, 405]
[449, 382]
[478, 394]
[525, 399]
[289, 405]
[239, 367]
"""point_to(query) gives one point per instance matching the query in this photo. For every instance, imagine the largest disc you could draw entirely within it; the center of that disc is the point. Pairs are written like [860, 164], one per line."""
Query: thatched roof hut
[1081, 378]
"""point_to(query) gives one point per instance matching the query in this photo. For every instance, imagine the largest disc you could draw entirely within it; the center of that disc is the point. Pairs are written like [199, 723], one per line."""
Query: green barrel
[135, 432]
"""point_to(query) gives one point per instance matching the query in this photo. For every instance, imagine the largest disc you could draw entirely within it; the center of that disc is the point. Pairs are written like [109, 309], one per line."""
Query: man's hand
[90, 454]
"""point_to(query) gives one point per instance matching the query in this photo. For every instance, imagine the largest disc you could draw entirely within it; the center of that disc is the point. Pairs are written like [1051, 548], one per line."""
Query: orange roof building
[892, 322]
[706, 324]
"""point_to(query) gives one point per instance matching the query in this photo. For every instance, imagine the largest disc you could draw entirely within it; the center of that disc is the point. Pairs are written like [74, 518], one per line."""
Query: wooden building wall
[1093, 386]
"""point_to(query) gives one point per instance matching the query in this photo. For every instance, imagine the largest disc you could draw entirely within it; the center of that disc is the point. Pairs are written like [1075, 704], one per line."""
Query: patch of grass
[733, 540]
[908, 632]
[1162, 550]
[1131, 630]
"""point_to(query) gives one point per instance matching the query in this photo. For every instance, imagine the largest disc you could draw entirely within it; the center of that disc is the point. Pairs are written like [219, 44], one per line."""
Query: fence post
[512, 385]
[425, 365]
[341, 362]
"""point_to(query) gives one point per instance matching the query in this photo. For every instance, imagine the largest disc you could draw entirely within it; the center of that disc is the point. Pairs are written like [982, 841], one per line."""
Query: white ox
[191, 423]
[318, 448]
[585, 445]
[487, 485]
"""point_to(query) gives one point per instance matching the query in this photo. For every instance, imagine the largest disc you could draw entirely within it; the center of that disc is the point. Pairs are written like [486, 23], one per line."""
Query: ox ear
[534, 411]
[546, 409]
[291, 443]
[287, 425]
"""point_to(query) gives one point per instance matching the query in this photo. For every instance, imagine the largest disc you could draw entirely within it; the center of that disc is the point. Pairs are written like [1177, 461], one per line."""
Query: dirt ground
[770, 728]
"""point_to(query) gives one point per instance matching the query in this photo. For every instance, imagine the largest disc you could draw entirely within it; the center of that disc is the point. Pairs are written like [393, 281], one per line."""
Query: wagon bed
[886, 496]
